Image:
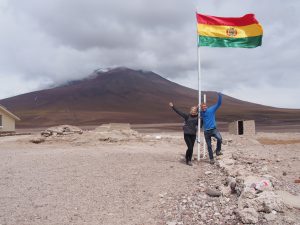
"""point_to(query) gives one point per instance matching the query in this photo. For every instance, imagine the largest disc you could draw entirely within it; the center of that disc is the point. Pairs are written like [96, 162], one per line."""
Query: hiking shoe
[190, 163]
[212, 161]
[219, 153]
[186, 161]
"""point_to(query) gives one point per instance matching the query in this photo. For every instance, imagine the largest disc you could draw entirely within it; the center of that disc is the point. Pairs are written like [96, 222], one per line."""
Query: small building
[7, 120]
[242, 127]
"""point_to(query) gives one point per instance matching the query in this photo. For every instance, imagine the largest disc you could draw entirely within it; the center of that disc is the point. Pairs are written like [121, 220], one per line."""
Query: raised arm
[183, 115]
[219, 103]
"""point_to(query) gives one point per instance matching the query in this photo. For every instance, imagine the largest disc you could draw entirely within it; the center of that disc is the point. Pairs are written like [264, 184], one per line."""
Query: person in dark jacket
[189, 129]
[208, 118]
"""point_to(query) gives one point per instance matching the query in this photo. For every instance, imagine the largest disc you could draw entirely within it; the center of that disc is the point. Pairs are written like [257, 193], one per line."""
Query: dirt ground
[81, 179]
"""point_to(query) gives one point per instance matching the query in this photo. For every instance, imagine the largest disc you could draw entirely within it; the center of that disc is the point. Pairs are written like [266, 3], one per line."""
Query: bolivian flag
[241, 32]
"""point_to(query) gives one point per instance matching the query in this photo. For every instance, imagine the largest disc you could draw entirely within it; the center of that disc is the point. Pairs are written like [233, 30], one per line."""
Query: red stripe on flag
[227, 21]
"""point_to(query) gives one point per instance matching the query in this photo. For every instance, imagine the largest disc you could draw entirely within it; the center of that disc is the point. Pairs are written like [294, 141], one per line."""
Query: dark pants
[190, 141]
[208, 135]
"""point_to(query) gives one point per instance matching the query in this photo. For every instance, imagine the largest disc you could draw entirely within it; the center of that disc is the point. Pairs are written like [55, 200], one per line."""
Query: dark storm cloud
[52, 41]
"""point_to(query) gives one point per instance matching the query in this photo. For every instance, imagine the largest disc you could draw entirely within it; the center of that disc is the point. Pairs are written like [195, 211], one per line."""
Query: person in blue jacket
[208, 119]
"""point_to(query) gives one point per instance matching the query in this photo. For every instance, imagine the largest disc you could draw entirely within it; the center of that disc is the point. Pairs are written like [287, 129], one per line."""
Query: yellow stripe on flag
[230, 31]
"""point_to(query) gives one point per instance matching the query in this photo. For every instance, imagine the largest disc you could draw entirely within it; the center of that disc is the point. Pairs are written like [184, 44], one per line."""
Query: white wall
[8, 123]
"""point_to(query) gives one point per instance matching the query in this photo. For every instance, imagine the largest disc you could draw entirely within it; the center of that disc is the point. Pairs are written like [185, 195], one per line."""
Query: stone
[248, 215]
[247, 193]
[171, 223]
[231, 182]
[228, 217]
[232, 186]
[270, 217]
[213, 192]
[284, 173]
[46, 133]
[208, 173]
[289, 199]
[234, 156]
[228, 162]
[271, 202]
[227, 142]
[225, 191]
[264, 169]
[266, 202]
[37, 140]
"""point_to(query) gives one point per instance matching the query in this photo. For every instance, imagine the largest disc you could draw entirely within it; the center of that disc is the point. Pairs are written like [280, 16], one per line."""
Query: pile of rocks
[238, 190]
[211, 201]
[114, 132]
[105, 133]
[259, 202]
[53, 132]
[61, 130]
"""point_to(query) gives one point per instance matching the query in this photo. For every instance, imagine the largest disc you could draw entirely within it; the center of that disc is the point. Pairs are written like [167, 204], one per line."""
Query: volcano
[131, 96]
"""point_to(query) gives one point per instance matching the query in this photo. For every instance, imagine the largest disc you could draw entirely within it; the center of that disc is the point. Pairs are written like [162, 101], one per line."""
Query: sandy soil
[81, 180]
[59, 183]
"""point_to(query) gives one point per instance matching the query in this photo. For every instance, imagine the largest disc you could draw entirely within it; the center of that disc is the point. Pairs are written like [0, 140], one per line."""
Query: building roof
[9, 113]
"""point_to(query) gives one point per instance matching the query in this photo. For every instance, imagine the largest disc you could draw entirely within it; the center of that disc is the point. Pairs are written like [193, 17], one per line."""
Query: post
[199, 93]
[199, 99]
[204, 142]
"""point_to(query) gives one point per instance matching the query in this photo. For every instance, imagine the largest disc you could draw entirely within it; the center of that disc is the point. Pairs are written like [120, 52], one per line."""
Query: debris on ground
[37, 140]
[245, 187]
[114, 132]
[61, 130]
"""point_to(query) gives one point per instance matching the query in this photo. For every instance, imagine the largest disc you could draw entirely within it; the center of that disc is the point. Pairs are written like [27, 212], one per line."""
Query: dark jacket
[190, 122]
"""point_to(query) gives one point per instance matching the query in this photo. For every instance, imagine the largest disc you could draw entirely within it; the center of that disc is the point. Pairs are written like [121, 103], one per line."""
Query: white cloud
[16, 83]
[60, 40]
[264, 94]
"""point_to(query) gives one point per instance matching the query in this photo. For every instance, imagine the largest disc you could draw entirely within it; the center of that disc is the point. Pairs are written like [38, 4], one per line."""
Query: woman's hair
[195, 109]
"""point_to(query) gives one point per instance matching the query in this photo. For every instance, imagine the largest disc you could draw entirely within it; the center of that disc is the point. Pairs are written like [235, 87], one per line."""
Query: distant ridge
[126, 95]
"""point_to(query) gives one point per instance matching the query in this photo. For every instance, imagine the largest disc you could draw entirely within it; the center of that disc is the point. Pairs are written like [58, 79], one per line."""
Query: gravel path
[143, 180]
[108, 183]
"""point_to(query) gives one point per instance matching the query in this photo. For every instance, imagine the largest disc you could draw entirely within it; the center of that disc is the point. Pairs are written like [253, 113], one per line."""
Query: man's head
[194, 111]
[203, 107]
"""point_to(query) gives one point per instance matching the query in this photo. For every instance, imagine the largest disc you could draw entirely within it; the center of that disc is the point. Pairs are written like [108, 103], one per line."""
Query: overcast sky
[48, 42]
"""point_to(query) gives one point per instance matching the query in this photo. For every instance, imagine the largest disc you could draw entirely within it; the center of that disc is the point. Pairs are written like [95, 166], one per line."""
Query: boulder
[288, 199]
[268, 201]
[270, 217]
[248, 215]
[116, 132]
[37, 140]
[213, 192]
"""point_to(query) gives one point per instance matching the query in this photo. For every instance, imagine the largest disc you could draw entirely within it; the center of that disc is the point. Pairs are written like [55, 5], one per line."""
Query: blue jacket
[209, 117]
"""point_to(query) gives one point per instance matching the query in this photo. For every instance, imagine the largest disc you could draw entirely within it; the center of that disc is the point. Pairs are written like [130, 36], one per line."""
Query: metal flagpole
[199, 98]
[204, 142]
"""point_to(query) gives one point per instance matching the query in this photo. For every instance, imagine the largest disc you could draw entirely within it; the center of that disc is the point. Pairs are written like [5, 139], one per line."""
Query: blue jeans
[208, 134]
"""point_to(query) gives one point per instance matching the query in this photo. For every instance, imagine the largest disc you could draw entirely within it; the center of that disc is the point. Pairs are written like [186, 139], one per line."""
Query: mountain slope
[125, 95]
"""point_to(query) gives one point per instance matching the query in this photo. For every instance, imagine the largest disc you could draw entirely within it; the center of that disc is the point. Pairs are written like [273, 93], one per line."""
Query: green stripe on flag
[249, 42]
